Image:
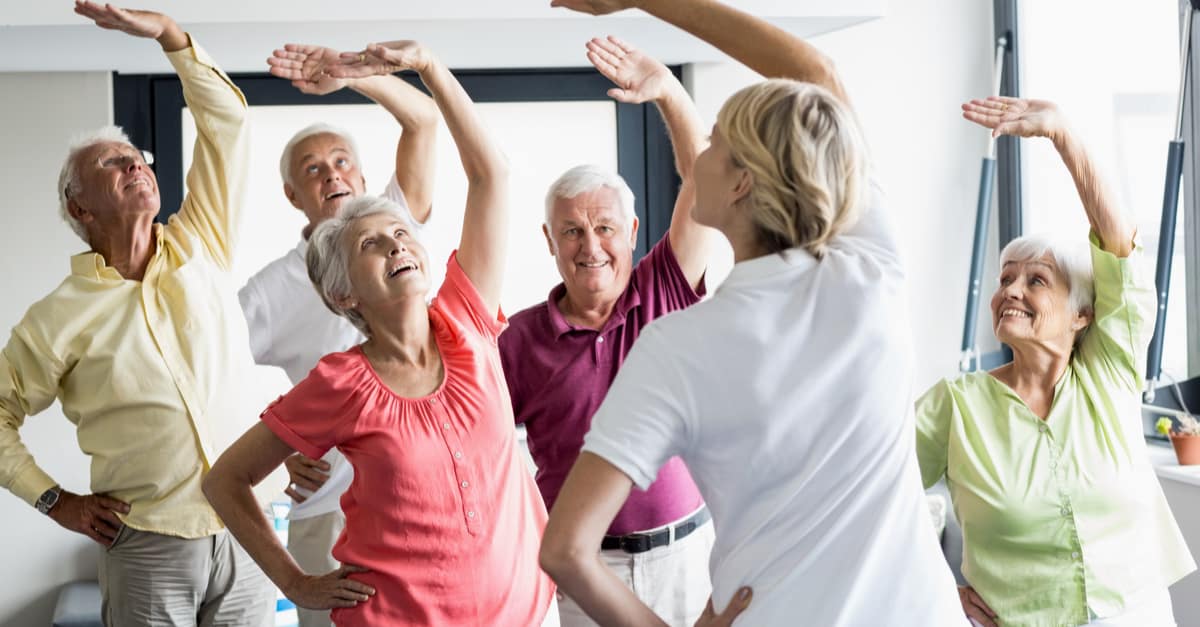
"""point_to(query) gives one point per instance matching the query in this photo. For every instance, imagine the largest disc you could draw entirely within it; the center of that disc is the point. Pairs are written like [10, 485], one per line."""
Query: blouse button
[457, 454]
[1075, 555]
[1066, 511]
[1043, 428]
[445, 425]
[465, 484]
[471, 514]
[600, 340]
[433, 401]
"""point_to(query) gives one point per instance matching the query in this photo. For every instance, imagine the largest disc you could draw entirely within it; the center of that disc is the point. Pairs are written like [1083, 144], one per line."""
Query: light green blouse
[1063, 515]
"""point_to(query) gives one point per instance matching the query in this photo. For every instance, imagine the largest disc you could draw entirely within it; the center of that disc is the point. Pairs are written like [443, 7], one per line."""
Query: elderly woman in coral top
[443, 521]
[1064, 522]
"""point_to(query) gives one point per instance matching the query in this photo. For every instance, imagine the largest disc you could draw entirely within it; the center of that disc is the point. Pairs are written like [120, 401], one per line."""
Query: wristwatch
[48, 499]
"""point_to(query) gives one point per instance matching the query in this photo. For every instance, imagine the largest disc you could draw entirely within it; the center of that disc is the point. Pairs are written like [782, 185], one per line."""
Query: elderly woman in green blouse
[1064, 522]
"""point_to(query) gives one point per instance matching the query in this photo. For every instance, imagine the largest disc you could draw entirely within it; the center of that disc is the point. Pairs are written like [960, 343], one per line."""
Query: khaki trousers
[310, 541]
[152, 579]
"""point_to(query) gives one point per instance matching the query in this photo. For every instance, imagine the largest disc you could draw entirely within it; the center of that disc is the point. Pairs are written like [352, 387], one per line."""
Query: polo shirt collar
[559, 325]
[792, 260]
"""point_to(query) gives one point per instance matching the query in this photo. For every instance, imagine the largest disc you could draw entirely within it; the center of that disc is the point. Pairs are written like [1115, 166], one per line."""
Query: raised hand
[307, 66]
[305, 472]
[134, 22]
[1016, 116]
[594, 7]
[388, 57]
[737, 605]
[92, 515]
[333, 589]
[639, 78]
[975, 608]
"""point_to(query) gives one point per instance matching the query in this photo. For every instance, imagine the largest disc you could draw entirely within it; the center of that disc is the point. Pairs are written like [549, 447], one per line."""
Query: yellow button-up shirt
[151, 373]
[1062, 519]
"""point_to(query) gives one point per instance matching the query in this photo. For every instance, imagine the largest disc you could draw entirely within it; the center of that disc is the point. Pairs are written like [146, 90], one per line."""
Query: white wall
[41, 112]
[906, 74]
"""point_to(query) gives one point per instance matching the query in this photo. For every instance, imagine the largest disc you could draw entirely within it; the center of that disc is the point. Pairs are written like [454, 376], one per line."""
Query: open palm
[307, 66]
[131, 21]
[639, 77]
[1015, 116]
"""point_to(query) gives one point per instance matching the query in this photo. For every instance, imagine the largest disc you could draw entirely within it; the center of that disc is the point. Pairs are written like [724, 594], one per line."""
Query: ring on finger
[362, 58]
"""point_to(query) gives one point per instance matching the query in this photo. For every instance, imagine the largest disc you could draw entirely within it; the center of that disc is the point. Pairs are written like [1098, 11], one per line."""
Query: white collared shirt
[788, 395]
[290, 327]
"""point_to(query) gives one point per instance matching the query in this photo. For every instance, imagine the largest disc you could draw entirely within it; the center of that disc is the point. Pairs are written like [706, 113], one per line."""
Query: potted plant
[1185, 438]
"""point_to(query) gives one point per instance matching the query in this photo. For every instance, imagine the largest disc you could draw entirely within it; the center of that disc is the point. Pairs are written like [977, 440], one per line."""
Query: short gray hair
[582, 179]
[68, 177]
[1074, 261]
[320, 128]
[329, 262]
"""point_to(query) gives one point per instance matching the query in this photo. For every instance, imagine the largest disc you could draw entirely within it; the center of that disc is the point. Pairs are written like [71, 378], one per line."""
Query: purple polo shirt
[558, 375]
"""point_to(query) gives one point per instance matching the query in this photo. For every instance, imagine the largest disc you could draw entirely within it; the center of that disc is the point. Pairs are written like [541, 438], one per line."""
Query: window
[1119, 95]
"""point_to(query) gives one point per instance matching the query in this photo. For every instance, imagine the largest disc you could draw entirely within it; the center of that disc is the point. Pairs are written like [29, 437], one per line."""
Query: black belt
[642, 542]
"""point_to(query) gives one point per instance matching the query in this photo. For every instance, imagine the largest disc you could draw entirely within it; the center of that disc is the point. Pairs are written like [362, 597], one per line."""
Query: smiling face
[386, 264]
[1032, 305]
[592, 242]
[114, 184]
[324, 175]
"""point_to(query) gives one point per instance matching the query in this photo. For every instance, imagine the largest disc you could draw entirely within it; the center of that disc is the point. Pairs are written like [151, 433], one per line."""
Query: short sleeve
[934, 411]
[660, 281]
[1124, 307]
[256, 310]
[460, 301]
[645, 418]
[312, 416]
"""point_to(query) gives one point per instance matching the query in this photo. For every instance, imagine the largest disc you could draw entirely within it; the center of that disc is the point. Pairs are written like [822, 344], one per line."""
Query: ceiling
[240, 34]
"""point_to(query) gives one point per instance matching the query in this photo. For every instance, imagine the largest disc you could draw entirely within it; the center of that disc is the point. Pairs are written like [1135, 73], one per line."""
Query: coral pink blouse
[441, 510]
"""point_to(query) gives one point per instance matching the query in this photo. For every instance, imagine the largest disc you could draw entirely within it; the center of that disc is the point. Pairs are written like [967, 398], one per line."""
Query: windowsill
[1166, 466]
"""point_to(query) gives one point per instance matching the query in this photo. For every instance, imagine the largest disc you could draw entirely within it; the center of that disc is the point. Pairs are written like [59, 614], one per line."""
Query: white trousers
[672, 580]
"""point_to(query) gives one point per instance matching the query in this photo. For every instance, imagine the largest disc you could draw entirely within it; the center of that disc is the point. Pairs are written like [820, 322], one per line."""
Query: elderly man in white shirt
[289, 325]
[788, 393]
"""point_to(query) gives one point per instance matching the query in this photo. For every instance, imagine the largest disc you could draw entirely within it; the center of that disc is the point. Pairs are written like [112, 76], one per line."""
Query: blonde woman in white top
[787, 393]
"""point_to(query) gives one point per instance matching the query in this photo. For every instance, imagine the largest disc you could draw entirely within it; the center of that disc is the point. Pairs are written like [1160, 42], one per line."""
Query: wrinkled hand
[93, 515]
[132, 21]
[737, 605]
[388, 57]
[307, 66]
[305, 472]
[594, 7]
[1016, 116]
[333, 589]
[639, 78]
[975, 608]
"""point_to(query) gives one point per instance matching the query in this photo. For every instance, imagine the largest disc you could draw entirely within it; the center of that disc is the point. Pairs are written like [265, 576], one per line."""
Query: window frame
[149, 108]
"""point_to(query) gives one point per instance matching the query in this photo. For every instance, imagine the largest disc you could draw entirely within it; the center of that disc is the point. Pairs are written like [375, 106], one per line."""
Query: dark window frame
[149, 106]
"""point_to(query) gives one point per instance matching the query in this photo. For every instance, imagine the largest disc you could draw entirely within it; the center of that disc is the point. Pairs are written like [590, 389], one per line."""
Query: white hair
[582, 179]
[69, 184]
[1074, 261]
[320, 128]
[328, 259]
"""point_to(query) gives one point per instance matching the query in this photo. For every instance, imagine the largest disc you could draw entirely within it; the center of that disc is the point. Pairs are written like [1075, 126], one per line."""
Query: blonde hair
[807, 158]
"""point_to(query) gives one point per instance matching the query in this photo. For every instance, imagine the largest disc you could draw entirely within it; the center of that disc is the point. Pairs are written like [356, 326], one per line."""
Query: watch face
[47, 500]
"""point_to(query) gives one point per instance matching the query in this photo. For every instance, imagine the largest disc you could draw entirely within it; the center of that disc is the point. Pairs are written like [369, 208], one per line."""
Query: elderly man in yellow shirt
[145, 346]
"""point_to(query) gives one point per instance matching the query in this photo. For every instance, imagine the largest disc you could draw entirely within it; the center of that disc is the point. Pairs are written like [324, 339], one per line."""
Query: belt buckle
[636, 543]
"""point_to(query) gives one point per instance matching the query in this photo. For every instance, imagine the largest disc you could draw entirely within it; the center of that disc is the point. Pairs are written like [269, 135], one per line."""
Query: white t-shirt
[291, 328]
[788, 394]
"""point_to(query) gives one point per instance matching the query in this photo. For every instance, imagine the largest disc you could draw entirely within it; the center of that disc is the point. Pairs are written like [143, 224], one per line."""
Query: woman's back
[788, 395]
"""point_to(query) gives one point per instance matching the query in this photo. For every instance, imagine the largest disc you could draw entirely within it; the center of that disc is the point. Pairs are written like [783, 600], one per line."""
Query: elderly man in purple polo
[560, 356]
